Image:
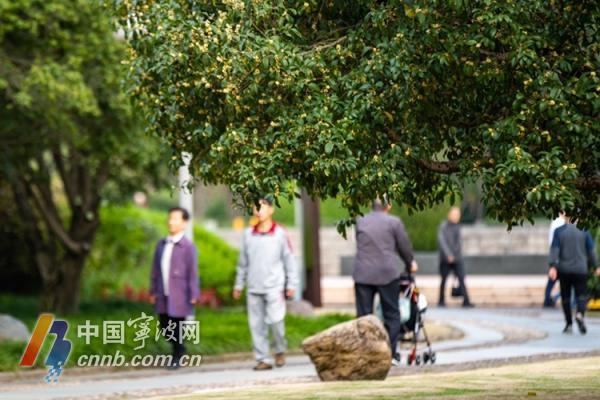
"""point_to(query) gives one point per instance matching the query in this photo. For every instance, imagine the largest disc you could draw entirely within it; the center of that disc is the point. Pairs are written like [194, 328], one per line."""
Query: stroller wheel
[418, 360]
[432, 357]
[426, 357]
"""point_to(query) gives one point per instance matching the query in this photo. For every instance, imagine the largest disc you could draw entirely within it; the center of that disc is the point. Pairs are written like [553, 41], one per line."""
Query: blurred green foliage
[122, 254]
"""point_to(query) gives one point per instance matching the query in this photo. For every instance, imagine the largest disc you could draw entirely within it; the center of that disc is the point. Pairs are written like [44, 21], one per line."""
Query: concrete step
[489, 290]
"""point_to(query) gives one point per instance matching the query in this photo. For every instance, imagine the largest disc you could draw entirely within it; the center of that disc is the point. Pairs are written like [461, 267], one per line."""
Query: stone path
[491, 334]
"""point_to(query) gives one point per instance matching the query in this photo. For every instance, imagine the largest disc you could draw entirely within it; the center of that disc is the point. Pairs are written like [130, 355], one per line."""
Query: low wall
[505, 264]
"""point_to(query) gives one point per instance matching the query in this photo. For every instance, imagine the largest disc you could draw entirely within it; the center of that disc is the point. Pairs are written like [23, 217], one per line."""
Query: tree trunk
[312, 253]
[61, 278]
[60, 247]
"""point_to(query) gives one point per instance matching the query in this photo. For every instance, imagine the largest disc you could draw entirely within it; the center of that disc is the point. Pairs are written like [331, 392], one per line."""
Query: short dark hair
[184, 213]
[268, 198]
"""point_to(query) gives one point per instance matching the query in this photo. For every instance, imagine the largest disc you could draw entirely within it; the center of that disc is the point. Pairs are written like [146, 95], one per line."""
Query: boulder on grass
[353, 350]
[12, 329]
[301, 308]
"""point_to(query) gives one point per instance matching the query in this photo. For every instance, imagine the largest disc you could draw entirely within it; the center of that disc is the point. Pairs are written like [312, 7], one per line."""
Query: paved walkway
[486, 337]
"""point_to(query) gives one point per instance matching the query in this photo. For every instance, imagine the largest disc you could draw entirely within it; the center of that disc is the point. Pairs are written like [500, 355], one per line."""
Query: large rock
[353, 350]
[12, 329]
[300, 307]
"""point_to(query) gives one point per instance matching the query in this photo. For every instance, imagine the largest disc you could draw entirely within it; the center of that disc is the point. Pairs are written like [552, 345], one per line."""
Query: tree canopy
[406, 98]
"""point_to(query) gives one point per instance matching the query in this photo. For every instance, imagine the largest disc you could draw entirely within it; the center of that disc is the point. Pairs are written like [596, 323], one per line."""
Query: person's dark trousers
[548, 301]
[459, 270]
[176, 342]
[388, 295]
[577, 282]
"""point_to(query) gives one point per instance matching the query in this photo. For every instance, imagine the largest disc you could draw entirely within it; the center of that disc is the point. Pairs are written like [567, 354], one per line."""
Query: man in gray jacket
[571, 254]
[267, 267]
[380, 237]
[450, 244]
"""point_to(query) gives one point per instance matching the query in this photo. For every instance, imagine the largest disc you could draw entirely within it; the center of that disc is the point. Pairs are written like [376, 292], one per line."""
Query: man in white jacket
[267, 268]
[549, 301]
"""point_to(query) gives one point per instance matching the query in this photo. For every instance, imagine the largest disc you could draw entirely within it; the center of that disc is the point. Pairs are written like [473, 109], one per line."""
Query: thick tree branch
[440, 167]
[85, 186]
[56, 226]
[22, 201]
[102, 175]
[82, 227]
[588, 183]
[43, 249]
[65, 176]
[44, 202]
[323, 45]
[497, 55]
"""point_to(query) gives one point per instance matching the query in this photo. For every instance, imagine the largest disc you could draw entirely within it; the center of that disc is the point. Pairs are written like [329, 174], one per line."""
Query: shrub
[421, 226]
[120, 261]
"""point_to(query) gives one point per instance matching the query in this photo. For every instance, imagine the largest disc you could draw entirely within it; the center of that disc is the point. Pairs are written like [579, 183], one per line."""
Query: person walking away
[380, 238]
[571, 254]
[174, 283]
[451, 259]
[549, 302]
[267, 268]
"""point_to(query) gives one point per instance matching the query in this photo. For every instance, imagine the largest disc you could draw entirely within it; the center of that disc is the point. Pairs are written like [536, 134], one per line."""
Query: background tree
[67, 132]
[408, 98]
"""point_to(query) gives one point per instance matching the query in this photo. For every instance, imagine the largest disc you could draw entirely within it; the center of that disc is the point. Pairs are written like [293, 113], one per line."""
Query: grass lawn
[221, 331]
[561, 379]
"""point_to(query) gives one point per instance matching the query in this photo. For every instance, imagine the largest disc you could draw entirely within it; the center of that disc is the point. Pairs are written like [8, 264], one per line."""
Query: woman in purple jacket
[174, 285]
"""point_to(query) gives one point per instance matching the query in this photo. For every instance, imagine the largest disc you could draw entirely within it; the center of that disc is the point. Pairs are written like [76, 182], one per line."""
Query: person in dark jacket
[380, 238]
[571, 254]
[450, 245]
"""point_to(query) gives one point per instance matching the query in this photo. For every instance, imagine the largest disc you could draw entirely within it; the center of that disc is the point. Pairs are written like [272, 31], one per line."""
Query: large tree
[67, 131]
[356, 99]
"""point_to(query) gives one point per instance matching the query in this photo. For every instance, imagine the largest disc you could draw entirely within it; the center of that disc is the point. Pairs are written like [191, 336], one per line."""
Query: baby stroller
[413, 305]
